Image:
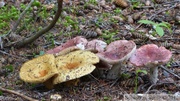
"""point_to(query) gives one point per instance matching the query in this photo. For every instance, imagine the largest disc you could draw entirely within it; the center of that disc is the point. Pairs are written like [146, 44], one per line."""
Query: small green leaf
[146, 22]
[1, 93]
[159, 31]
[141, 71]
[41, 53]
[106, 98]
[36, 3]
[9, 68]
[163, 24]
[125, 76]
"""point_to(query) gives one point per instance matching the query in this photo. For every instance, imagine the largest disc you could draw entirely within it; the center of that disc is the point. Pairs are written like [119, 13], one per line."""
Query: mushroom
[39, 69]
[96, 45]
[116, 53]
[67, 50]
[74, 65]
[151, 56]
[78, 41]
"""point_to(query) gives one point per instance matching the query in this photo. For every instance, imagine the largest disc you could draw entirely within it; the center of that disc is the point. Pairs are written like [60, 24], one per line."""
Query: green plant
[36, 3]
[9, 68]
[135, 3]
[7, 14]
[114, 20]
[109, 36]
[125, 76]
[50, 38]
[106, 98]
[117, 11]
[105, 14]
[40, 53]
[157, 26]
[42, 12]
[93, 2]
[11, 13]
[1, 93]
[136, 79]
[70, 22]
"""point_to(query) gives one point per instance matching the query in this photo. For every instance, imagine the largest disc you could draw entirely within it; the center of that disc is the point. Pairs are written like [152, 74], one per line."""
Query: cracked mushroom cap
[150, 54]
[97, 45]
[78, 41]
[117, 51]
[74, 65]
[39, 69]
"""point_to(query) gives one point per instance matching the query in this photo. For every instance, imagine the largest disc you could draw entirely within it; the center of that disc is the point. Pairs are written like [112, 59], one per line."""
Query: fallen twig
[169, 71]
[149, 88]
[3, 52]
[152, 17]
[114, 82]
[15, 92]
[94, 77]
[163, 39]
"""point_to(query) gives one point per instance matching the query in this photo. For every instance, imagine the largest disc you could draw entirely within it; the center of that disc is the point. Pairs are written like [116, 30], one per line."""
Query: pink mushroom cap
[97, 45]
[118, 51]
[150, 54]
[72, 42]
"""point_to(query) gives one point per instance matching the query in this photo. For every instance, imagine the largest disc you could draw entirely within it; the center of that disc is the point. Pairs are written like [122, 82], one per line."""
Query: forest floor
[93, 19]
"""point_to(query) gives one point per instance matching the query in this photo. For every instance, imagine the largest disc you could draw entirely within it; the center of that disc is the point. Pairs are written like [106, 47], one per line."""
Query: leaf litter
[93, 15]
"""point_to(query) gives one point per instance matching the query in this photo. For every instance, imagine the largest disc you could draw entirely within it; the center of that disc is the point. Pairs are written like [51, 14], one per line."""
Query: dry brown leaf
[121, 3]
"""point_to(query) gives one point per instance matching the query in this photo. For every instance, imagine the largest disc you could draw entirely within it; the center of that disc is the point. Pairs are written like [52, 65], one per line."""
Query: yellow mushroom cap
[74, 65]
[39, 69]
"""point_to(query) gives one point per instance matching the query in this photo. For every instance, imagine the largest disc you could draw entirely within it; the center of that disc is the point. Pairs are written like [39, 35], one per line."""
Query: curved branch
[19, 94]
[25, 41]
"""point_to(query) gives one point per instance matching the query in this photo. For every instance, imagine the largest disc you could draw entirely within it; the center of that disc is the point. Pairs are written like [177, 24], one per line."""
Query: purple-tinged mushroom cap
[150, 53]
[97, 45]
[151, 56]
[118, 51]
[77, 41]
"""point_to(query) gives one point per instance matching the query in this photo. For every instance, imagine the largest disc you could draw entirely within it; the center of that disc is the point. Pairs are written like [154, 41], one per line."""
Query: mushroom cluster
[52, 70]
[78, 57]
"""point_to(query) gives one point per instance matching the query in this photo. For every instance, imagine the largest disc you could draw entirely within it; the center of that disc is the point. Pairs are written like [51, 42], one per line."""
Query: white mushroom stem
[154, 74]
[115, 71]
